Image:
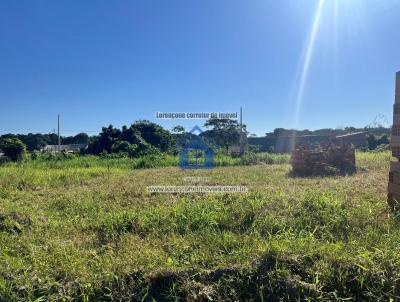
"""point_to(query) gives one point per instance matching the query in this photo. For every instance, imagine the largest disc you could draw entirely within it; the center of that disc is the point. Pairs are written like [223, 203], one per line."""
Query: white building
[66, 148]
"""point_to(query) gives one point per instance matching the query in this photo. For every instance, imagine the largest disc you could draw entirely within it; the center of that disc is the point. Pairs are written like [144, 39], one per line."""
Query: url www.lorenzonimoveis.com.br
[197, 189]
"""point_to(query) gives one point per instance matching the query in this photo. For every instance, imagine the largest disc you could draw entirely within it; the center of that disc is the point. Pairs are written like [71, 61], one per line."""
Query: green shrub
[13, 148]
[3, 160]
[125, 148]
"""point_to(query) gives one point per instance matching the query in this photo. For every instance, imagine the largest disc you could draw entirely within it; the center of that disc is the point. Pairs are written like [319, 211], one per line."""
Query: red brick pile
[329, 158]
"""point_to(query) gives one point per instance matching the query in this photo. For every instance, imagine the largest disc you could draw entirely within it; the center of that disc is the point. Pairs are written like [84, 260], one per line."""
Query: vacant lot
[89, 230]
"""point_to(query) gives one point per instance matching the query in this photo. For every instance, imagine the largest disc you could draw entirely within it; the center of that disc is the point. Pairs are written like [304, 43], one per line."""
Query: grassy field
[86, 229]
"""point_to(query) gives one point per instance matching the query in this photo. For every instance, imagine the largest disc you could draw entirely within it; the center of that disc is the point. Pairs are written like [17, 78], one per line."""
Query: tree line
[376, 131]
[141, 137]
[144, 137]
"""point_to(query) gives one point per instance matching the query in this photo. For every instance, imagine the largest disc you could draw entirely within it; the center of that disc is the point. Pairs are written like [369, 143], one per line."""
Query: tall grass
[94, 233]
[66, 161]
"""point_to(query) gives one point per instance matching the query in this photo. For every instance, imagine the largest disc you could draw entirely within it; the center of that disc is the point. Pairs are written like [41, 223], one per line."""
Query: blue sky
[113, 62]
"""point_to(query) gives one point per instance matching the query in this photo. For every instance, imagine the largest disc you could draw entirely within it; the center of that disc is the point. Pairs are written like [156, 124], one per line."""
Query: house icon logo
[195, 150]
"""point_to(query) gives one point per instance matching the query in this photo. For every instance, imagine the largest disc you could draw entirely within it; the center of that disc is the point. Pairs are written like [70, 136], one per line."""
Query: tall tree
[225, 132]
[153, 134]
[105, 140]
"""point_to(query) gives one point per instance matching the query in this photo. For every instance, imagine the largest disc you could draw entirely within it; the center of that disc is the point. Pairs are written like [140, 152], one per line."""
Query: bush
[13, 148]
[3, 160]
[35, 155]
[124, 147]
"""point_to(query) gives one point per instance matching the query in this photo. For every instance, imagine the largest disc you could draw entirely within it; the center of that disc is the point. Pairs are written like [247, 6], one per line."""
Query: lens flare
[305, 67]
[307, 61]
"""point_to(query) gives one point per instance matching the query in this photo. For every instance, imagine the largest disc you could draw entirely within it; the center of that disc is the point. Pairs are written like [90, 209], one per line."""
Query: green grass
[86, 229]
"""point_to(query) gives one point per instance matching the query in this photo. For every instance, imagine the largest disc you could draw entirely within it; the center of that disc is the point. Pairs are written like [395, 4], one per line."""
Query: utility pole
[59, 139]
[241, 131]
[241, 121]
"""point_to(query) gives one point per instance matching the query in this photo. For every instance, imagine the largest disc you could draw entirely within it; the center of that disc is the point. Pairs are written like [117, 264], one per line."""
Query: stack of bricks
[329, 155]
[394, 174]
